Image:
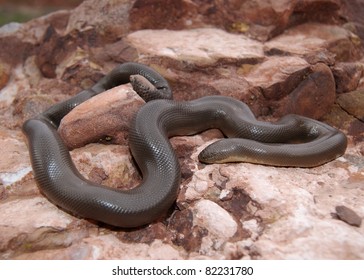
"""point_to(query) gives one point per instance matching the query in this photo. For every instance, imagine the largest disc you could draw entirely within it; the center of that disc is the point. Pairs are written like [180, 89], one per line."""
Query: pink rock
[106, 117]
[217, 221]
[197, 48]
[309, 37]
[277, 56]
[15, 163]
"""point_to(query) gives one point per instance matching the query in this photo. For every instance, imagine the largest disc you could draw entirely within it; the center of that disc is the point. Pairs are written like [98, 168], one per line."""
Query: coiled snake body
[249, 140]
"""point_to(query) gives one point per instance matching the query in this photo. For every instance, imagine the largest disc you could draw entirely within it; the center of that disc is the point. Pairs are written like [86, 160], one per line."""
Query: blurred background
[24, 10]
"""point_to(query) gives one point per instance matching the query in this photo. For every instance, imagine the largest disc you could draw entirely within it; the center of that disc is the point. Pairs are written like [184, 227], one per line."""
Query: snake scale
[160, 118]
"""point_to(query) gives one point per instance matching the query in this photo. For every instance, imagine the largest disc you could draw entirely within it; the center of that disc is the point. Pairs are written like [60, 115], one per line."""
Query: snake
[292, 141]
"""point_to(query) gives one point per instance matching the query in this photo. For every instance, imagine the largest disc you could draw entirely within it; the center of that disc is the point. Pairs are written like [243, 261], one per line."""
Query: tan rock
[106, 117]
[310, 37]
[197, 48]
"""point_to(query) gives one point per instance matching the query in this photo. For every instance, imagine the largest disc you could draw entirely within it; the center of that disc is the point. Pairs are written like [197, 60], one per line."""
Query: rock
[4, 75]
[353, 103]
[215, 219]
[197, 49]
[306, 38]
[277, 56]
[185, 233]
[11, 45]
[354, 12]
[319, 86]
[54, 49]
[181, 55]
[276, 78]
[22, 39]
[113, 110]
[264, 85]
[40, 214]
[31, 106]
[65, 56]
[347, 76]
[176, 14]
[257, 19]
[100, 21]
[348, 216]
[316, 11]
[109, 165]
[15, 163]
[161, 251]
[291, 85]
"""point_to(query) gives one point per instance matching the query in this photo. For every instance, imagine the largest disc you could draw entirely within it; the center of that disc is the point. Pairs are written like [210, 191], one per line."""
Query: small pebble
[348, 216]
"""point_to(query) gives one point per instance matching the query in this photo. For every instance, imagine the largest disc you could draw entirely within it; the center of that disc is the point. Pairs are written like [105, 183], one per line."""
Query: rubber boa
[248, 140]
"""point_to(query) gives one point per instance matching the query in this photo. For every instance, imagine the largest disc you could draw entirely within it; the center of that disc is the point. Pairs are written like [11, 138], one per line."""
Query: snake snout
[220, 151]
[147, 90]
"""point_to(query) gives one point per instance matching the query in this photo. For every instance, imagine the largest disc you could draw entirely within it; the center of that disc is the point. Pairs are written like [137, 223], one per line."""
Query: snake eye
[106, 139]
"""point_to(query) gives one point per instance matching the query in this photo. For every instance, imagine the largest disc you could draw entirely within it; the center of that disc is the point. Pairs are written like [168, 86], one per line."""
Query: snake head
[223, 151]
[147, 90]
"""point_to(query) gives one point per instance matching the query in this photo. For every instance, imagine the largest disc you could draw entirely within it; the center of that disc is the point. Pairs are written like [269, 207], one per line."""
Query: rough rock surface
[87, 123]
[301, 57]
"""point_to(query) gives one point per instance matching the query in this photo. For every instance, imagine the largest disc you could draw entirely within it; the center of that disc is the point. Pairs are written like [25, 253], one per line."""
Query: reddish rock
[54, 49]
[278, 76]
[14, 164]
[257, 19]
[320, 56]
[306, 38]
[28, 103]
[184, 232]
[175, 14]
[354, 9]
[283, 85]
[314, 96]
[30, 106]
[22, 39]
[109, 165]
[348, 215]
[353, 103]
[347, 76]
[11, 45]
[227, 211]
[103, 118]
[144, 235]
[327, 11]
[276, 79]
[4, 74]
[199, 62]
[120, 51]
[196, 50]
[100, 22]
